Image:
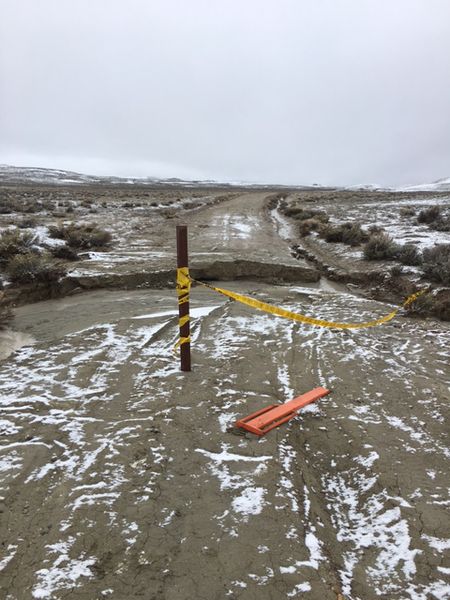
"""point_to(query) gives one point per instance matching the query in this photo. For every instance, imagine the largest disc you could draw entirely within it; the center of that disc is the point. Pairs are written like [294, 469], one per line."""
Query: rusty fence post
[183, 300]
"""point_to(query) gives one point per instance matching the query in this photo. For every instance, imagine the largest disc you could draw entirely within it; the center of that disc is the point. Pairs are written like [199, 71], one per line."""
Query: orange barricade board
[262, 421]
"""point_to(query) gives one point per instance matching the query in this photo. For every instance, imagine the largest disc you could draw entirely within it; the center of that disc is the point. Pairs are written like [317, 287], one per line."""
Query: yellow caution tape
[181, 341]
[183, 320]
[287, 314]
[183, 289]
[183, 284]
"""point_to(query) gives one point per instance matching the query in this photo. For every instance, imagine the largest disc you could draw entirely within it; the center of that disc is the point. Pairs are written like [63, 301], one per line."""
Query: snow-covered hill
[19, 175]
[11, 174]
[441, 185]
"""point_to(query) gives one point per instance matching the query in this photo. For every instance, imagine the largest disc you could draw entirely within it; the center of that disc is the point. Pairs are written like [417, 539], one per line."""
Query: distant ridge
[12, 174]
[38, 175]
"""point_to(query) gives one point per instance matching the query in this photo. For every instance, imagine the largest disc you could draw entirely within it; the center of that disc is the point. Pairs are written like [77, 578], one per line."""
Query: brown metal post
[183, 309]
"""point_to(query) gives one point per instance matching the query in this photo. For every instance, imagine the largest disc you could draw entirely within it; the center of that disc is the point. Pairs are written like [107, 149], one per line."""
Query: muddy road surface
[123, 478]
[221, 238]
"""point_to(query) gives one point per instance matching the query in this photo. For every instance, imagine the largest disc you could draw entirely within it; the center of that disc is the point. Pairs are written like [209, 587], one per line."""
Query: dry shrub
[10, 205]
[22, 205]
[82, 236]
[434, 217]
[422, 306]
[308, 225]
[351, 234]
[396, 271]
[169, 213]
[428, 215]
[31, 207]
[436, 263]
[307, 213]
[321, 216]
[332, 234]
[302, 214]
[63, 252]
[27, 223]
[33, 268]
[409, 255]
[13, 241]
[441, 305]
[441, 224]
[407, 211]
[380, 247]
[437, 305]
[291, 211]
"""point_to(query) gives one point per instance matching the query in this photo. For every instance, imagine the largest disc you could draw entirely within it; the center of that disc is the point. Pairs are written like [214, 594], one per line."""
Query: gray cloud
[289, 91]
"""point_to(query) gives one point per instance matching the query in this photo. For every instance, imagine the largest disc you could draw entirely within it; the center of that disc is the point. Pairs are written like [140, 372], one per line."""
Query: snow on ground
[125, 473]
[234, 227]
[402, 229]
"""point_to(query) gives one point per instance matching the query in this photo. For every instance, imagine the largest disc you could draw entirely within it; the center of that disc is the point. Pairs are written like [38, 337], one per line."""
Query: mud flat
[123, 478]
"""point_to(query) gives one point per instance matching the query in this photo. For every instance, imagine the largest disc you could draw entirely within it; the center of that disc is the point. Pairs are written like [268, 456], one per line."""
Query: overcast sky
[287, 91]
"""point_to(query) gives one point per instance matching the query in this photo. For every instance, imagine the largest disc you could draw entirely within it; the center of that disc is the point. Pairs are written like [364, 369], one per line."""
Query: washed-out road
[122, 478]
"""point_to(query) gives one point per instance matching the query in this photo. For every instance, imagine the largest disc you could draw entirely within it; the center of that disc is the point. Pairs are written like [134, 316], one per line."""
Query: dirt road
[233, 230]
[121, 479]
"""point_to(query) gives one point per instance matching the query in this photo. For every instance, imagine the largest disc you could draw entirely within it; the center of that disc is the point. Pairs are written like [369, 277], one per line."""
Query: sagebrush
[34, 268]
[83, 236]
[428, 215]
[436, 263]
[14, 241]
[409, 255]
[380, 246]
[351, 234]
